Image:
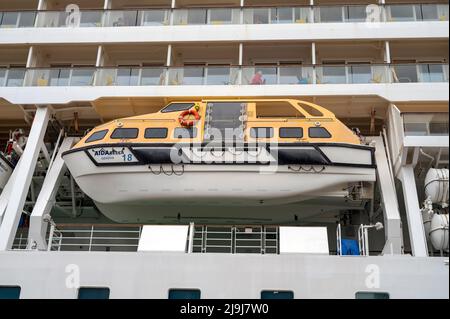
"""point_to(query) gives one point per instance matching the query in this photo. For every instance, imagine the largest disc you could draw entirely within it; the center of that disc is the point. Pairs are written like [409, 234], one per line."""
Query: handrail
[167, 20]
[231, 75]
[112, 67]
[206, 7]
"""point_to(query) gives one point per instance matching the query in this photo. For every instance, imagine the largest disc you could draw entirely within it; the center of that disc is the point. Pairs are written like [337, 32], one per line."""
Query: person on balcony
[258, 79]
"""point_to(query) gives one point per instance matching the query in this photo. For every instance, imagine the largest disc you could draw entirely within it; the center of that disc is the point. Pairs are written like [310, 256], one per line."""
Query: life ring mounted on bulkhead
[186, 122]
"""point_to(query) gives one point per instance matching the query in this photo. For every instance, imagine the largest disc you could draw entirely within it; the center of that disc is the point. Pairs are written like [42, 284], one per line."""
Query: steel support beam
[414, 216]
[4, 196]
[392, 220]
[23, 178]
[45, 200]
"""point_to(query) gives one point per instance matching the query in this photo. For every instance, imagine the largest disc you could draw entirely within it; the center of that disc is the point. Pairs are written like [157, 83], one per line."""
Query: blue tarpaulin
[350, 247]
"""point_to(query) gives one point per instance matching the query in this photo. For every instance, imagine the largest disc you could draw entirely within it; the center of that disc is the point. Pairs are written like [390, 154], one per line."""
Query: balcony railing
[217, 16]
[226, 75]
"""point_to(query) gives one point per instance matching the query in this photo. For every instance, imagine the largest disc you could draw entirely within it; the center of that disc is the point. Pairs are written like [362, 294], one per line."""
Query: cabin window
[125, 133]
[97, 136]
[93, 293]
[177, 107]
[185, 132]
[291, 132]
[319, 132]
[261, 132]
[372, 295]
[184, 294]
[277, 109]
[156, 133]
[10, 292]
[311, 110]
[273, 294]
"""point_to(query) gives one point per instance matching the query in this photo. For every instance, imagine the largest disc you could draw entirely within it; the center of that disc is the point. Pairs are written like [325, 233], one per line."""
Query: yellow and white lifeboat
[221, 160]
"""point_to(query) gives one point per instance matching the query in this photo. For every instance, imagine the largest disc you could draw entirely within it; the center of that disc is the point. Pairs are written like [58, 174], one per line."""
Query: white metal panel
[307, 240]
[241, 33]
[163, 238]
[61, 95]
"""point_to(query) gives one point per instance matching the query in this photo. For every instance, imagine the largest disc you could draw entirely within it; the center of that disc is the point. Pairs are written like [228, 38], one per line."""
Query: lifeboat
[223, 161]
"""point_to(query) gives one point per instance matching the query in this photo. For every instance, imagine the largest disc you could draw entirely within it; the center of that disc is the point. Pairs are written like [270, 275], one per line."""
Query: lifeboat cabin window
[155, 133]
[184, 294]
[276, 110]
[319, 132]
[9, 292]
[93, 293]
[185, 132]
[177, 107]
[372, 295]
[97, 136]
[311, 110]
[261, 132]
[125, 133]
[284, 295]
[291, 132]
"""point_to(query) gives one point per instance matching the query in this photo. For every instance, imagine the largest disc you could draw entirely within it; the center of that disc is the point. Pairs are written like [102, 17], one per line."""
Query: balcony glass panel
[186, 76]
[257, 16]
[52, 19]
[153, 17]
[121, 18]
[301, 15]
[82, 77]
[332, 75]
[295, 75]
[196, 16]
[360, 74]
[15, 77]
[59, 77]
[282, 15]
[426, 124]
[220, 16]
[330, 14]
[127, 77]
[443, 10]
[2, 76]
[153, 76]
[405, 73]
[403, 12]
[219, 76]
[91, 19]
[9, 19]
[356, 13]
[431, 73]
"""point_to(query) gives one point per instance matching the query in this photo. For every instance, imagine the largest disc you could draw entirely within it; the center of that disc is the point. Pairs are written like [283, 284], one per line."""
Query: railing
[206, 239]
[226, 75]
[236, 239]
[417, 12]
[94, 238]
[426, 124]
[12, 77]
[216, 16]
[363, 240]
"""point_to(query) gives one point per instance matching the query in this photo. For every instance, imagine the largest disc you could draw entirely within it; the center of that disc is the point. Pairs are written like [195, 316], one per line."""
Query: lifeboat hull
[6, 169]
[148, 188]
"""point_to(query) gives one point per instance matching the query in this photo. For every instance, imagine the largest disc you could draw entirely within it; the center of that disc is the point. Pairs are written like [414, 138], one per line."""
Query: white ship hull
[154, 192]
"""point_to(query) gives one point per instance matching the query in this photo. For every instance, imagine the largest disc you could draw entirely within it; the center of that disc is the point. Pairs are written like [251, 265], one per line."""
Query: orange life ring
[188, 123]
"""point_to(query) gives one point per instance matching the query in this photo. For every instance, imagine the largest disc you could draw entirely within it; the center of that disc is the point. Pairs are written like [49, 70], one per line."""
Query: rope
[311, 169]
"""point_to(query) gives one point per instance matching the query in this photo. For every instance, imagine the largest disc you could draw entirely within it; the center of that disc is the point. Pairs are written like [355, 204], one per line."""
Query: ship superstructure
[354, 97]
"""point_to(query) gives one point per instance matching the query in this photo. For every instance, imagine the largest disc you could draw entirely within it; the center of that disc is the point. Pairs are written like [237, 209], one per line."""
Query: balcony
[426, 124]
[226, 75]
[220, 16]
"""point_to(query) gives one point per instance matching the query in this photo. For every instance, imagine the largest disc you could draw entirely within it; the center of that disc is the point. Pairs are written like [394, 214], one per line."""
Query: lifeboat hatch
[225, 121]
